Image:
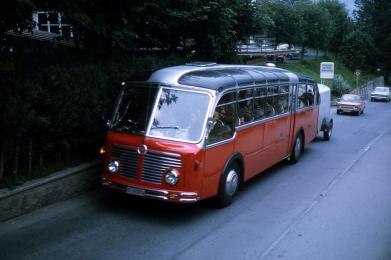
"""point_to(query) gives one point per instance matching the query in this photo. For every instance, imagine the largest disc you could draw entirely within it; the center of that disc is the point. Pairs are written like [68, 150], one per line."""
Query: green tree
[357, 50]
[320, 27]
[373, 17]
[284, 20]
[341, 22]
[216, 26]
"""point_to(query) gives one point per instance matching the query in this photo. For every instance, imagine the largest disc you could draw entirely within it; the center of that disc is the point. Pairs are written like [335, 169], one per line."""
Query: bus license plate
[135, 191]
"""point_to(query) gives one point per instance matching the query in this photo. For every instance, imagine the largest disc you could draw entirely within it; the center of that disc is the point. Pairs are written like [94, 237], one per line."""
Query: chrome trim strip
[165, 153]
[262, 121]
[305, 109]
[189, 194]
[187, 200]
[155, 165]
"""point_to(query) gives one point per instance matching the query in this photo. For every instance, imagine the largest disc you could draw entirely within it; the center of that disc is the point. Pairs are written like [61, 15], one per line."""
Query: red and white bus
[201, 130]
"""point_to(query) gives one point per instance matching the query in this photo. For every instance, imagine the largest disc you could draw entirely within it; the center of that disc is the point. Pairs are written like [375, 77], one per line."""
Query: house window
[52, 22]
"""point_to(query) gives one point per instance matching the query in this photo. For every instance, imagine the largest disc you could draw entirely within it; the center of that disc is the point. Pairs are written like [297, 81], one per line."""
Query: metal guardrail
[43, 36]
[365, 90]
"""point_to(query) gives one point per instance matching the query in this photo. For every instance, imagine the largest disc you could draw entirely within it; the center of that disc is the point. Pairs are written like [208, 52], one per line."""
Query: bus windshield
[180, 115]
[133, 109]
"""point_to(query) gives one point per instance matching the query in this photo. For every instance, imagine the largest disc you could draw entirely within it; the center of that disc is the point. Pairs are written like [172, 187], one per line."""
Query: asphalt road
[335, 203]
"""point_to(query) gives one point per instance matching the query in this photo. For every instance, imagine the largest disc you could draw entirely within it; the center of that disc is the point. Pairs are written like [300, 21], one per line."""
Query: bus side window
[224, 121]
[301, 96]
[269, 108]
[310, 93]
[284, 97]
[245, 106]
[259, 102]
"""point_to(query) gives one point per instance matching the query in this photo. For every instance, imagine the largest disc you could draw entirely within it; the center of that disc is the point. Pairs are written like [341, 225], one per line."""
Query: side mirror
[108, 123]
[338, 99]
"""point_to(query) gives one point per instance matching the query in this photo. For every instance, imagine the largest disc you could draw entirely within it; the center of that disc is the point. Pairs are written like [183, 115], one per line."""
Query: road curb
[56, 187]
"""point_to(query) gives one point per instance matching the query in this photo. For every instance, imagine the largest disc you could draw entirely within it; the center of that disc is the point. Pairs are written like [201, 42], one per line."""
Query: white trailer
[325, 121]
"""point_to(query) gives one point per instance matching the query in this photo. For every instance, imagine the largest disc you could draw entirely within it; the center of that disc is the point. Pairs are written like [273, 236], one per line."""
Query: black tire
[297, 149]
[338, 111]
[229, 185]
[327, 134]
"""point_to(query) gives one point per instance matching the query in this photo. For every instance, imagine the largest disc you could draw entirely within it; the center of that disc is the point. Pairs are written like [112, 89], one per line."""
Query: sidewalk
[56, 187]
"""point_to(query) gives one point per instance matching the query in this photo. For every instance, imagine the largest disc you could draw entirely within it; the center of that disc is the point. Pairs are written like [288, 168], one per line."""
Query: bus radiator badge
[142, 149]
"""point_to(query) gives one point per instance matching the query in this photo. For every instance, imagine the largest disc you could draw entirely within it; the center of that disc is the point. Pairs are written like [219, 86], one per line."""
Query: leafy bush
[340, 86]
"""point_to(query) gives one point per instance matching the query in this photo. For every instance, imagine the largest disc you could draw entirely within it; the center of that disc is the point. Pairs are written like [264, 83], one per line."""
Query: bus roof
[220, 77]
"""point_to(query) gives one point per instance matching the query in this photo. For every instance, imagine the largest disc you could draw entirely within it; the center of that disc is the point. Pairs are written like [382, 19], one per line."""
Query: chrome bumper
[183, 197]
[380, 97]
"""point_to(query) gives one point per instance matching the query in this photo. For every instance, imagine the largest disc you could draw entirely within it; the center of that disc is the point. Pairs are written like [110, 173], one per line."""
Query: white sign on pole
[327, 70]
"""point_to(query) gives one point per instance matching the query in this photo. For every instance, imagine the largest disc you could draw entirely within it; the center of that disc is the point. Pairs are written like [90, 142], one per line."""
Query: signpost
[357, 73]
[326, 70]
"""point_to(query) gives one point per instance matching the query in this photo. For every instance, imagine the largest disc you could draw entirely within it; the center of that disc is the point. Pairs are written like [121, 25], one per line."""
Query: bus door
[283, 121]
[312, 125]
[292, 108]
[249, 135]
[219, 143]
[306, 115]
[276, 135]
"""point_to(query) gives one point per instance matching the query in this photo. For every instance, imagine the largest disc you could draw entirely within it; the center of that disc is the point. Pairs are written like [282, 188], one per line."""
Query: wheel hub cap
[298, 146]
[231, 182]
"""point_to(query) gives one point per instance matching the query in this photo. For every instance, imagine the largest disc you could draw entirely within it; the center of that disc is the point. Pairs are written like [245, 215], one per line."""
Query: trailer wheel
[327, 133]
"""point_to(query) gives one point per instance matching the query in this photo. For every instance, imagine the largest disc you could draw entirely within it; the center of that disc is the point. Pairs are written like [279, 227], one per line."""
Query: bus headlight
[113, 166]
[172, 177]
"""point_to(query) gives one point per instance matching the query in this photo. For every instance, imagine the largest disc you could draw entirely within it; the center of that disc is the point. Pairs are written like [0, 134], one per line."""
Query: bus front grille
[155, 165]
[128, 161]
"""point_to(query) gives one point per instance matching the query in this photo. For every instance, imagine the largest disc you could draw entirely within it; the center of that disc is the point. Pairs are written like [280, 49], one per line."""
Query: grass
[312, 68]
[12, 181]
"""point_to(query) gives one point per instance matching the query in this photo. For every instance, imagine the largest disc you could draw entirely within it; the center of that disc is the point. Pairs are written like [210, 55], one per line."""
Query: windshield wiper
[165, 127]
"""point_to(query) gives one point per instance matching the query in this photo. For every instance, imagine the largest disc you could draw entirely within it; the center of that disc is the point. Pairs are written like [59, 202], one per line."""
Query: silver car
[381, 93]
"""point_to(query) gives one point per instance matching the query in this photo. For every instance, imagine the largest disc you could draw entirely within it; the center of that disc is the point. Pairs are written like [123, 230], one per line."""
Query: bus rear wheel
[297, 149]
[229, 185]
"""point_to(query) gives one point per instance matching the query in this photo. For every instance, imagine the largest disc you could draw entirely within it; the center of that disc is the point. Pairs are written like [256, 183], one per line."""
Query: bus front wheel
[229, 185]
[297, 149]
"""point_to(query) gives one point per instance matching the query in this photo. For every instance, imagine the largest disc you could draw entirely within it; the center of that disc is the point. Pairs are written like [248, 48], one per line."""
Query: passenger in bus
[284, 102]
[269, 110]
[245, 114]
[221, 129]
[259, 112]
[303, 101]
[310, 96]
[278, 105]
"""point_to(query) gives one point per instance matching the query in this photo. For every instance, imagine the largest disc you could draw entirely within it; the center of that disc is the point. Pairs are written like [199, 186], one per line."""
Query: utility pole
[357, 73]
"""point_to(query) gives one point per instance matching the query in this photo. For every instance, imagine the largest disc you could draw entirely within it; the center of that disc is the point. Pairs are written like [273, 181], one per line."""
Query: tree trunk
[16, 165]
[30, 159]
[302, 53]
[40, 160]
[2, 151]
